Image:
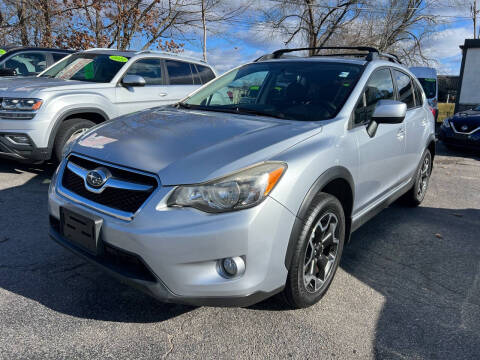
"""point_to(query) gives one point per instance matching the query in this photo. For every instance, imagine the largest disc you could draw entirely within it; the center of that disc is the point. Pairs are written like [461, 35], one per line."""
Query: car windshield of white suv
[100, 68]
[294, 90]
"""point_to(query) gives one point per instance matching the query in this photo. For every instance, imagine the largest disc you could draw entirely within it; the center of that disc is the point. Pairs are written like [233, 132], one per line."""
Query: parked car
[428, 78]
[462, 130]
[214, 203]
[39, 115]
[28, 61]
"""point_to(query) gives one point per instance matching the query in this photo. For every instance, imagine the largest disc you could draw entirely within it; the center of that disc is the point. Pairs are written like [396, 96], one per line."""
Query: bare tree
[398, 26]
[313, 21]
[204, 28]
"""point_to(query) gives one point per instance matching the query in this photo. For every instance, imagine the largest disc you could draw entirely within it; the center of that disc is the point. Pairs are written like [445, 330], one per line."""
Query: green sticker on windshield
[2, 52]
[431, 80]
[118, 58]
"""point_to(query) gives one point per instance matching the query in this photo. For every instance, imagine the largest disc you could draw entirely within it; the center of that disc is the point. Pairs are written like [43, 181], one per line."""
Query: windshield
[302, 90]
[98, 68]
[429, 86]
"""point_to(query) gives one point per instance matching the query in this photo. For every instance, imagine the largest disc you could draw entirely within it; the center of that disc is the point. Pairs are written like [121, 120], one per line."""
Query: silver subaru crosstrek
[250, 186]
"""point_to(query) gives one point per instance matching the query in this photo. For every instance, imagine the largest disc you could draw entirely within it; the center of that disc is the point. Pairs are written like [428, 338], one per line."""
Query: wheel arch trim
[334, 173]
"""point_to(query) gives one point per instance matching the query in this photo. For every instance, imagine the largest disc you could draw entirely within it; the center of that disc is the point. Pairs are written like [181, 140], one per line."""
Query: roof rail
[372, 53]
[106, 49]
[170, 54]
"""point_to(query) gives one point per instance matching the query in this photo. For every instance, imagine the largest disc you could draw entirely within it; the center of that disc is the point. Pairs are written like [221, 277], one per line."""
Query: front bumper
[37, 130]
[23, 152]
[449, 137]
[178, 250]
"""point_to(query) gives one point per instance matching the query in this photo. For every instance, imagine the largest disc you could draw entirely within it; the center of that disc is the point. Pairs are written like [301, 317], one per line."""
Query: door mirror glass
[133, 80]
[389, 112]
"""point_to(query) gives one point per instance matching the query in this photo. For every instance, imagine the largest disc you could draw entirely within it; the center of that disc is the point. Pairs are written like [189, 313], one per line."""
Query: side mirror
[386, 112]
[133, 80]
[8, 72]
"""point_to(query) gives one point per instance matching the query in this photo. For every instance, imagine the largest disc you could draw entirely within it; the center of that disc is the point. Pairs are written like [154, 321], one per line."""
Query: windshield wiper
[240, 110]
[183, 105]
[231, 110]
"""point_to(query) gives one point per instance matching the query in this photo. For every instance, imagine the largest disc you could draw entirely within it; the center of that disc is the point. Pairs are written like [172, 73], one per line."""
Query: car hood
[28, 86]
[186, 146]
[466, 121]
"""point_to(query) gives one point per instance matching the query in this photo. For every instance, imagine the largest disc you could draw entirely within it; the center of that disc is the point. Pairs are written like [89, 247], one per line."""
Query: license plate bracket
[80, 230]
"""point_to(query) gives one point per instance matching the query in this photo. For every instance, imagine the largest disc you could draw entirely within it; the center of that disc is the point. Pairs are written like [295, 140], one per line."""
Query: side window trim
[412, 86]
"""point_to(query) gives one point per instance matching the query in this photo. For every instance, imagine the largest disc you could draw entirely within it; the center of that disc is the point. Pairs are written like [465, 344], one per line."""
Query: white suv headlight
[21, 104]
[243, 189]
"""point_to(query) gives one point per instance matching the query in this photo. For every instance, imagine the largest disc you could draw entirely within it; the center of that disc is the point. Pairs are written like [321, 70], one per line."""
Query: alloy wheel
[424, 177]
[75, 135]
[321, 253]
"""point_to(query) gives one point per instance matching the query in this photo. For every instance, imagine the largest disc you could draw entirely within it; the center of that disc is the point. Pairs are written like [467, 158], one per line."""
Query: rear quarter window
[206, 74]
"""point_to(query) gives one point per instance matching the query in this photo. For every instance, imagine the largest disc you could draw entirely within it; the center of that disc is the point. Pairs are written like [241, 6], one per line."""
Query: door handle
[163, 94]
[401, 133]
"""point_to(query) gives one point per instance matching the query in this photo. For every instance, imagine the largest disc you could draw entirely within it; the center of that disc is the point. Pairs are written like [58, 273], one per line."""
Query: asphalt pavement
[408, 287]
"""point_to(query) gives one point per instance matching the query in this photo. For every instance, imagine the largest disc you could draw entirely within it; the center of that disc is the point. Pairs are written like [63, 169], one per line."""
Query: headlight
[446, 123]
[240, 190]
[21, 104]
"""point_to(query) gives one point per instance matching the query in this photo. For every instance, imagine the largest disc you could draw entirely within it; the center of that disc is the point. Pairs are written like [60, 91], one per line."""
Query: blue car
[462, 130]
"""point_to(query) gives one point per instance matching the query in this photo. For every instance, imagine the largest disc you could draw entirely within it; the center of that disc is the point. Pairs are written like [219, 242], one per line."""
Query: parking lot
[408, 287]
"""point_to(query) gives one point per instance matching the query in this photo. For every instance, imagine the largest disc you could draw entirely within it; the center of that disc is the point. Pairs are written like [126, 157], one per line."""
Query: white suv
[39, 115]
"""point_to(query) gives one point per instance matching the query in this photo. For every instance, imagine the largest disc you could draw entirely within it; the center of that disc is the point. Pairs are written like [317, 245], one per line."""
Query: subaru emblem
[97, 178]
[464, 128]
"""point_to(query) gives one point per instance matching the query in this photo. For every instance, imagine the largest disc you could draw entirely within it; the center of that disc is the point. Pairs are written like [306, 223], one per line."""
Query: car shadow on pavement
[35, 267]
[441, 149]
[426, 263]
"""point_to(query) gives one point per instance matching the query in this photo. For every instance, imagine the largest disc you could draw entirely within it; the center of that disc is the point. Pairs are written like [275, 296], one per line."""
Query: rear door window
[404, 88]
[379, 87]
[149, 69]
[418, 94]
[179, 72]
[206, 74]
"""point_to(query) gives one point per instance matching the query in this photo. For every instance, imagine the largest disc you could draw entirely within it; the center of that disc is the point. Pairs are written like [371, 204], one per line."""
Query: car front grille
[125, 200]
[464, 127]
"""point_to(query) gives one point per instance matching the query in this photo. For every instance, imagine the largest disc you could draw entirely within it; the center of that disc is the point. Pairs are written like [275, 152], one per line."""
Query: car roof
[146, 53]
[9, 48]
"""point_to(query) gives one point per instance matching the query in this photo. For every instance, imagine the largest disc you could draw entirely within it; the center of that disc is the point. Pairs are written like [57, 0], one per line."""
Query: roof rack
[372, 53]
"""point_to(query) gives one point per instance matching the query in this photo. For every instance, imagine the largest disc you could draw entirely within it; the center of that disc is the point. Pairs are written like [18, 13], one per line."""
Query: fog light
[232, 267]
[18, 139]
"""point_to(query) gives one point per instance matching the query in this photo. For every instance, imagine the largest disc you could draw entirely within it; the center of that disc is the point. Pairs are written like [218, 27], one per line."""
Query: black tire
[299, 292]
[66, 130]
[416, 194]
